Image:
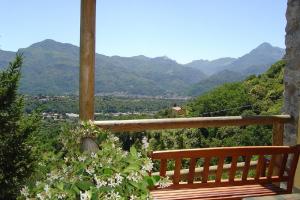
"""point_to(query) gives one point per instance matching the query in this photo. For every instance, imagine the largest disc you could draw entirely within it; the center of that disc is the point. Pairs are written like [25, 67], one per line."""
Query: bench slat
[192, 167]
[246, 168]
[176, 177]
[283, 165]
[233, 168]
[206, 169]
[271, 167]
[259, 166]
[163, 167]
[219, 169]
[231, 192]
[292, 171]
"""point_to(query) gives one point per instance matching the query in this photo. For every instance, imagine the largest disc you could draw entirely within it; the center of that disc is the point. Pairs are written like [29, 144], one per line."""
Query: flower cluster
[110, 173]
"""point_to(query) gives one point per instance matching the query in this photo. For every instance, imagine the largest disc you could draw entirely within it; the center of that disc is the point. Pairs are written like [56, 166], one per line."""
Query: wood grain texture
[235, 152]
[194, 122]
[87, 59]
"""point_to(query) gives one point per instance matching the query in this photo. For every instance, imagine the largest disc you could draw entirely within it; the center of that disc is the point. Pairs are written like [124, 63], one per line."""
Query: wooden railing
[277, 121]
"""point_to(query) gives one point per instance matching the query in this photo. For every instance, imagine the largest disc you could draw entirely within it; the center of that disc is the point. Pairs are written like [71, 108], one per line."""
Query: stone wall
[292, 70]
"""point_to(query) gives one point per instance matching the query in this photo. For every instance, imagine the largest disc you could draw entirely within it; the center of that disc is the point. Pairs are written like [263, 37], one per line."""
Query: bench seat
[229, 192]
[234, 182]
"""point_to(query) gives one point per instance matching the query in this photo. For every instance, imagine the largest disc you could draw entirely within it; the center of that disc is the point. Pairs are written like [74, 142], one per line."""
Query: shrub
[16, 160]
[109, 173]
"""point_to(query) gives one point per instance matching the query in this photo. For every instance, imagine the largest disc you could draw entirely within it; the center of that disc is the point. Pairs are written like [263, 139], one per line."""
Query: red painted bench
[236, 182]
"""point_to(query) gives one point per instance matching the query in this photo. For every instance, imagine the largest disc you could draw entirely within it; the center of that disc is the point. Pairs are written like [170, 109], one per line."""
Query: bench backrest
[271, 165]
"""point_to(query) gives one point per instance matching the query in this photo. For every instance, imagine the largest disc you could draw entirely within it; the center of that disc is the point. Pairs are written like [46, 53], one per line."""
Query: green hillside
[257, 95]
[260, 94]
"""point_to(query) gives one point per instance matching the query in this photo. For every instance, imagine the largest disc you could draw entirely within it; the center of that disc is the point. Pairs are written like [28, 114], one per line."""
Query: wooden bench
[235, 183]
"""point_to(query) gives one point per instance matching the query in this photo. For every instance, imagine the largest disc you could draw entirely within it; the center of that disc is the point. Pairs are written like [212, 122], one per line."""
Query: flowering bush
[109, 173]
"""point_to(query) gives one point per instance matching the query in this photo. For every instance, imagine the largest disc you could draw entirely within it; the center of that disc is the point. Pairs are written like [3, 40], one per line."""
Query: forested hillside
[257, 95]
[260, 94]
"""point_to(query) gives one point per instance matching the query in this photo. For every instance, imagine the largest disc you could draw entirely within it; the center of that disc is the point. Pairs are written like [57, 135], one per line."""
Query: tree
[16, 161]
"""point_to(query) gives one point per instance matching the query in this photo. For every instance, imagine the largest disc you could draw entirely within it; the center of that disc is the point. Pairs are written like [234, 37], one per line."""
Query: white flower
[46, 189]
[125, 153]
[134, 176]
[119, 178]
[37, 183]
[145, 143]
[86, 195]
[66, 159]
[25, 191]
[113, 195]
[99, 182]
[93, 155]
[52, 176]
[133, 197]
[164, 182]
[112, 182]
[61, 196]
[40, 196]
[90, 170]
[81, 158]
[148, 166]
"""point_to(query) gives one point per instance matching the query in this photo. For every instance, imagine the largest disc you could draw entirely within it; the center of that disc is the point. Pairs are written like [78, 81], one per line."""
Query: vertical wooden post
[297, 175]
[87, 68]
[277, 140]
[87, 59]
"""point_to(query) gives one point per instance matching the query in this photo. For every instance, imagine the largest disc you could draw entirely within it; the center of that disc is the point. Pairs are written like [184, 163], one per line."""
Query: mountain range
[52, 68]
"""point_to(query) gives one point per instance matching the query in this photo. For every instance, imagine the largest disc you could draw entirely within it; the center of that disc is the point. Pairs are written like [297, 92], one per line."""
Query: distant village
[74, 116]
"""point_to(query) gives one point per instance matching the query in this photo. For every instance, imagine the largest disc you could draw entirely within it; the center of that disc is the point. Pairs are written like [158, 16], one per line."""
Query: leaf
[60, 186]
[75, 189]
[132, 167]
[107, 171]
[84, 185]
[149, 180]
[133, 151]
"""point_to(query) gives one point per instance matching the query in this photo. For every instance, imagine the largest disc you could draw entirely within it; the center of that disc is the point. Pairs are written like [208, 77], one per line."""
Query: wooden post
[277, 140]
[87, 59]
[87, 68]
[297, 175]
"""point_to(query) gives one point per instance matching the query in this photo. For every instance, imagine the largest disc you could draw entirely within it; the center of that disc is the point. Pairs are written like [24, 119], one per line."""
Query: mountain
[256, 62]
[211, 67]
[219, 78]
[52, 67]
[5, 57]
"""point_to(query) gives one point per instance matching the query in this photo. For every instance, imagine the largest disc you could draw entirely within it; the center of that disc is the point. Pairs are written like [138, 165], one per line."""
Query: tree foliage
[15, 129]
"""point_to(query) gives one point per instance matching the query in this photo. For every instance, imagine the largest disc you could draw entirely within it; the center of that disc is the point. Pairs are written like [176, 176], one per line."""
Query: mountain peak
[52, 44]
[264, 45]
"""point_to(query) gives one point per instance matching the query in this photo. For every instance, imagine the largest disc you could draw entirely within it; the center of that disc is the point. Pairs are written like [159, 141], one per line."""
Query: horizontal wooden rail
[212, 170]
[195, 122]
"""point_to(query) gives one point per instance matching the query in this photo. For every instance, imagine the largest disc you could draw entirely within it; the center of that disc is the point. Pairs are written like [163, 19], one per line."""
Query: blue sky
[183, 30]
